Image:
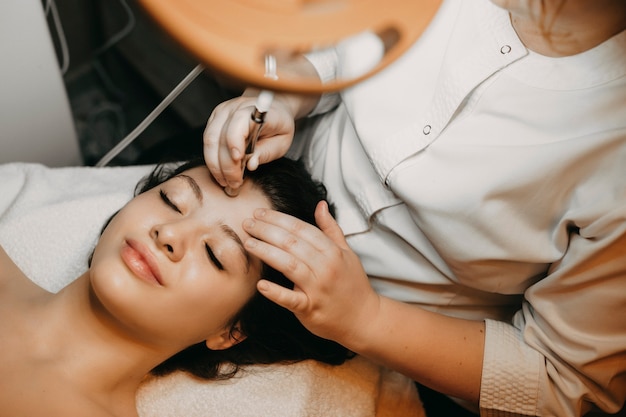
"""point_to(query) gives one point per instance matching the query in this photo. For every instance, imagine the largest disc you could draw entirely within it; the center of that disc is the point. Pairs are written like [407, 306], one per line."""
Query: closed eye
[169, 202]
[213, 258]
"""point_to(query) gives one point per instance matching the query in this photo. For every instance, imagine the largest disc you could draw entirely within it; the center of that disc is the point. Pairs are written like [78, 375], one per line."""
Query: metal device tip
[231, 192]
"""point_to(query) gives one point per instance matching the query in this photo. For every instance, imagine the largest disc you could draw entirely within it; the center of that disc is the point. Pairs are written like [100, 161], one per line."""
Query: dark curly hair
[272, 334]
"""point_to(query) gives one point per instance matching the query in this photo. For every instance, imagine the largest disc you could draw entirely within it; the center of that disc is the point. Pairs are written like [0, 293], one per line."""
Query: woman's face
[171, 267]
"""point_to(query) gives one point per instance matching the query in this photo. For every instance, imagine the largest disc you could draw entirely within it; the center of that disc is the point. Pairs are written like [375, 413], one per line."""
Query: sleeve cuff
[511, 373]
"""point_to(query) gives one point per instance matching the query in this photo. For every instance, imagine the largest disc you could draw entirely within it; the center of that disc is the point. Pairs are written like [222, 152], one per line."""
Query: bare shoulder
[41, 388]
[56, 400]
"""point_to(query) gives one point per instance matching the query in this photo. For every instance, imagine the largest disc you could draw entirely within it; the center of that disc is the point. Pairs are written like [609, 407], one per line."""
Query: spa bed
[55, 215]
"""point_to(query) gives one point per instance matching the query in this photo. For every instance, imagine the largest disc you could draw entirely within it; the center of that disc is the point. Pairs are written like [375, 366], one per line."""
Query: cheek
[215, 300]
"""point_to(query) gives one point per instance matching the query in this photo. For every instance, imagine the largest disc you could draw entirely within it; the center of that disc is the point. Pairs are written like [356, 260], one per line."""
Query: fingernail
[263, 286]
[235, 153]
[253, 164]
[250, 243]
[231, 192]
[260, 212]
[248, 223]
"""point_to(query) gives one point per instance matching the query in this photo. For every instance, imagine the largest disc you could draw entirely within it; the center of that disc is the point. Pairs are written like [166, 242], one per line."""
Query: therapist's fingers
[292, 235]
[275, 137]
[301, 251]
[224, 140]
[228, 128]
[298, 246]
[327, 223]
[293, 300]
[212, 143]
[281, 249]
[327, 274]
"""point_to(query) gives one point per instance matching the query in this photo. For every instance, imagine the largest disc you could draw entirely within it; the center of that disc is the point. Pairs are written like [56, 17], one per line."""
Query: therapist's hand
[332, 296]
[229, 126]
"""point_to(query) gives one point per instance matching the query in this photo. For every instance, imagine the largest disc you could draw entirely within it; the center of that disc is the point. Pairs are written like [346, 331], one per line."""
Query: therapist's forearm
[440, 352]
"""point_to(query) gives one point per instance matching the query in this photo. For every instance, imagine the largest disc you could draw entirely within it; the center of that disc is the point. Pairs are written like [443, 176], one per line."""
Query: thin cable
[65, 54]
[150, 118]
[130, 25]
[51, 8]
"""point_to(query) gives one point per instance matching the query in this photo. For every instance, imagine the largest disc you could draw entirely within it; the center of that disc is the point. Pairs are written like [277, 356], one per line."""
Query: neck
[80, 339]
[567, 27]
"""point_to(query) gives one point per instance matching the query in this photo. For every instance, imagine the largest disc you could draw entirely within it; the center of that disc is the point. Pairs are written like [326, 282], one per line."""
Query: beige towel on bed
[50, 219]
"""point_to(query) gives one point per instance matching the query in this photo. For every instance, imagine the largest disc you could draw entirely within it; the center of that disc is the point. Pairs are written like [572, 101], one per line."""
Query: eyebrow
[235, 237]
[225, 228]
[193, 185]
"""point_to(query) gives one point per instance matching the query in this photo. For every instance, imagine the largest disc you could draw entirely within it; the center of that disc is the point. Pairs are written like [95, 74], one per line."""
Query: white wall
[36, 123]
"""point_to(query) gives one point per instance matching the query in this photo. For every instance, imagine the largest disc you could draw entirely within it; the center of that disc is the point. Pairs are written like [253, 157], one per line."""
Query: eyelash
[209, 251]
[169, 202]
[213, 258]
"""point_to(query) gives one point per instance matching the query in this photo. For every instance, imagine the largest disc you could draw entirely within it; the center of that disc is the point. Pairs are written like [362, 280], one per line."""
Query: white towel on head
[358, 388]
[50, 220]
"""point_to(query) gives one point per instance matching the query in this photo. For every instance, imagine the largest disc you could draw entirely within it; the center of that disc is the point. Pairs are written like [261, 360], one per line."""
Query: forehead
[249, 196]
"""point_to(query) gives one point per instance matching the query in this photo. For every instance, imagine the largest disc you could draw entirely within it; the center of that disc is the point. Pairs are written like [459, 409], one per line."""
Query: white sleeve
[565, 350]
[325, 62]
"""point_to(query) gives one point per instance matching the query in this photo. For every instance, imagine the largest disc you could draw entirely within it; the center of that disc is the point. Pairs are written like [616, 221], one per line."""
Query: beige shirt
[481, 180]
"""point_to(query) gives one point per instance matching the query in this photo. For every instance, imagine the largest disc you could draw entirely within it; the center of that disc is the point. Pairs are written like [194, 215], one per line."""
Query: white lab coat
[481, 180]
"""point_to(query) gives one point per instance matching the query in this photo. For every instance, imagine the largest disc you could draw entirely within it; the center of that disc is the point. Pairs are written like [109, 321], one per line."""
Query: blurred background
[117, 65]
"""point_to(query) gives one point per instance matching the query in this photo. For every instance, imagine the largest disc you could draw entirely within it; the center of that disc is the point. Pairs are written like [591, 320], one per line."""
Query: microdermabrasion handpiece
[257, 118]
[262, 105]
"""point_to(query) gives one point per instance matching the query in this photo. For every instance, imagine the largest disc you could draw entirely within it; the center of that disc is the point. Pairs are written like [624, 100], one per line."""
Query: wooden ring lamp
[233, 37]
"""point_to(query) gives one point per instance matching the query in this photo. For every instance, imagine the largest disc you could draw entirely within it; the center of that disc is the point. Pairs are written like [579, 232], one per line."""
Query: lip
[141, 262]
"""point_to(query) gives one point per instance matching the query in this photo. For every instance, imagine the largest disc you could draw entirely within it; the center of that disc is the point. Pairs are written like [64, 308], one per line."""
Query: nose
[171, 239]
